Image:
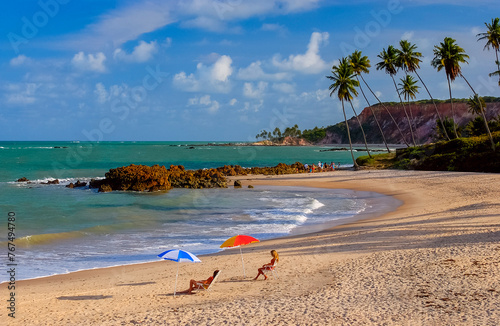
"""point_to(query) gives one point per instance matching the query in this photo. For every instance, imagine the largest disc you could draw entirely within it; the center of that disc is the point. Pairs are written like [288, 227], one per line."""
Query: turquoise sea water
[59, 230]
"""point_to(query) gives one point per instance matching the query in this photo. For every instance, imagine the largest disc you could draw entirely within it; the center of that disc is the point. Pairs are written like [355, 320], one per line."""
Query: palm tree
[492, 37]
[409, 60]
[449, 55]
[390, 63]
[361, 126]
[496, 73]
[387, 110]
[345, 86]
[409, 89]
[361, 64]
[478, 106]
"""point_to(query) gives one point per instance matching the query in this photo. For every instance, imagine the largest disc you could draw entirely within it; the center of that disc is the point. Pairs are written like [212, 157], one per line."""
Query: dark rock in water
[237, 184]
[191, 147]
[250, 186]
[60, 147]
[334, 149]
[51, 182]
[78, 184]
[23, 179]
[105, 188]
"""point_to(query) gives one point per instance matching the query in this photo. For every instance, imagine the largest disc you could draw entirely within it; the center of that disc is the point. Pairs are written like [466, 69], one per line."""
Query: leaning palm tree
[365, 70]
[390, 63]
[496, 73]
[360, 126]
[492, 37]
[409, 60]
[345, 86]
[478, 106]
[409, 89]
[449, 55]
[361, 64]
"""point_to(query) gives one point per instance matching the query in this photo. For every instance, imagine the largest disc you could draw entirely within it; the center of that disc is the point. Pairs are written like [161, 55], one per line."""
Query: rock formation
[154, 178]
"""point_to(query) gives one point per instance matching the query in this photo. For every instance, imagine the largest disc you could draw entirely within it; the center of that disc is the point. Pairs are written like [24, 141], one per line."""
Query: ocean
[60, 230]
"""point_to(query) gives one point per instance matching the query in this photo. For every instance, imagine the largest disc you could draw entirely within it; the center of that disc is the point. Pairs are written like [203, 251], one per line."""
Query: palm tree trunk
[362, 130]
[356, 166]
[482, 113]
[452, 112]
[435, 106]
[389, 112]
[414, 126]
[498, 65]
[404, 109]
[498, 62]
[374, 116]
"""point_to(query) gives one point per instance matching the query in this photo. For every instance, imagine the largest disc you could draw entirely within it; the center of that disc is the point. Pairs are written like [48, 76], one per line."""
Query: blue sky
[214, 69]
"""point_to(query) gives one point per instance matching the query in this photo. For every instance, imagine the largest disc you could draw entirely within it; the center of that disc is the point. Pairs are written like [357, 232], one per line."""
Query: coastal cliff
[424, 118]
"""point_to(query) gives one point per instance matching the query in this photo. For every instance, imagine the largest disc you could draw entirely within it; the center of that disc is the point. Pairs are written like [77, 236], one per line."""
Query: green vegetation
[314, 135]
[277, 135]
[471, 154]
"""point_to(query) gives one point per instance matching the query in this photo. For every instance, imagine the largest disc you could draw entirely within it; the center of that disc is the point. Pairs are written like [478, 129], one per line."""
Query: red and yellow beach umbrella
[238, 241]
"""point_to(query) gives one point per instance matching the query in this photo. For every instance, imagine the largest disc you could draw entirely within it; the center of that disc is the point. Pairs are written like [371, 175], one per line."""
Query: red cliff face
[422, 116]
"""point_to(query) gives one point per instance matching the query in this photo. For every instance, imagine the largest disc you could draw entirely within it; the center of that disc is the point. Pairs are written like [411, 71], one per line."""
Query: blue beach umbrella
[180, 256]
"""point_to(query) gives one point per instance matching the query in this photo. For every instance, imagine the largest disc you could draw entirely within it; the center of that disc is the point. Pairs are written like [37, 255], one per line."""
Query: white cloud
[255, 106]
[225, 11]
[255, 72]
[122, 25]
[142, 52]
[233, 102]
[206, 23]
[251, 91]
[22, 93]
[212, 106]
[318, 95]
[19, 60]
[89, 62]
[280, 29]
[308, 63]
[222, 69]
[122, 92]
[100, 91]
[133, 19]
[284, 87]
[213, 78]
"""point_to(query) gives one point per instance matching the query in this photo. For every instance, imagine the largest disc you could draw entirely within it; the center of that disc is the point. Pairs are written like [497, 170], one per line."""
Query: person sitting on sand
[193, 284]
[275, 259]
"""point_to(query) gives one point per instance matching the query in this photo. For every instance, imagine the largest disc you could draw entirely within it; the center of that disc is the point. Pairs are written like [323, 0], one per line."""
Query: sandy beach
[435, 260]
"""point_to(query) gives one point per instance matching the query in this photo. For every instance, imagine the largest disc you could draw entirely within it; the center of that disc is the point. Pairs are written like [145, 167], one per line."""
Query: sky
[212, 70]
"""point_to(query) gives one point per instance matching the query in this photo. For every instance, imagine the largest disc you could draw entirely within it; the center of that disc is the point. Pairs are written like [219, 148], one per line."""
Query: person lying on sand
[193, 284]
[275, 259]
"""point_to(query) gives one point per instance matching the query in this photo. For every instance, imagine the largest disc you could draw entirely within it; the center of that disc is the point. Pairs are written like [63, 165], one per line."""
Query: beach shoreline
[331, 276]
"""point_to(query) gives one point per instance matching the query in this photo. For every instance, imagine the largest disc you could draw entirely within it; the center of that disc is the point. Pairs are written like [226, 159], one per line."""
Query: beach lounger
[202, 286]
[272, 269]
